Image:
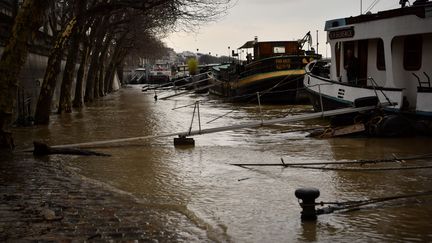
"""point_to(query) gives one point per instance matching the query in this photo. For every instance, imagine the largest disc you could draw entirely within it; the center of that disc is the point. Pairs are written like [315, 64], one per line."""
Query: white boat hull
[334, 94]
[343, 94]
[424, 103]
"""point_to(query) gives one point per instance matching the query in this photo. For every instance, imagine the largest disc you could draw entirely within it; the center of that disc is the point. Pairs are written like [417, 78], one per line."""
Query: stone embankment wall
[30, 81]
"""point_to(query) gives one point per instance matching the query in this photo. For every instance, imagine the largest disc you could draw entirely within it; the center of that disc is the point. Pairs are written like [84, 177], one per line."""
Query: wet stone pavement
[42, 200]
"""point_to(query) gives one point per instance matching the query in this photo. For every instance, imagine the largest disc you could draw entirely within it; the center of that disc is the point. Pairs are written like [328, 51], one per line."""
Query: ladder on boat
[427, 84]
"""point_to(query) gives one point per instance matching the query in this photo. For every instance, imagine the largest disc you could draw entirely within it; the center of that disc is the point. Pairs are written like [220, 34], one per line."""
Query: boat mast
[361, 7]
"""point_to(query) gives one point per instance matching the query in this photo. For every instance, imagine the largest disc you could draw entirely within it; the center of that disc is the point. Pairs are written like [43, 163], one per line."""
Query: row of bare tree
[98, 34]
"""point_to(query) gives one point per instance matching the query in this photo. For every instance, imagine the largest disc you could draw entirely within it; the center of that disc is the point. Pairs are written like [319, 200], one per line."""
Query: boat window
[278, 49]
[380, 55]
[338, 58]
[350, 45]
[413, 52]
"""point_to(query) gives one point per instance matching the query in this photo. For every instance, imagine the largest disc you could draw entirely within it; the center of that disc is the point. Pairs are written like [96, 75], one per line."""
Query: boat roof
[251, 44]
[422, 11]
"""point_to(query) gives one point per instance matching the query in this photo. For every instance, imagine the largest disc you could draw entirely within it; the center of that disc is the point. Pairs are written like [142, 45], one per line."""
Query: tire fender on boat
[392, 126]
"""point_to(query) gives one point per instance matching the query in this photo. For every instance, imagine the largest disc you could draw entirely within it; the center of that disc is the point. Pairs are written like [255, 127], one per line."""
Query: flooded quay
[201, 197]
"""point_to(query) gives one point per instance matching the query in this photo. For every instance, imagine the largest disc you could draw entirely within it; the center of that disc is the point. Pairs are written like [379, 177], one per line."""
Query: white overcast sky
[270, 20]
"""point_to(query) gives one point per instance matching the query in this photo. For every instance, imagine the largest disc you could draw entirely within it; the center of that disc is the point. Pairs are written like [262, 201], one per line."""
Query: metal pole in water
[182, 140]
[321, 101]
[259, 104]
[193, 116]
[199, 117]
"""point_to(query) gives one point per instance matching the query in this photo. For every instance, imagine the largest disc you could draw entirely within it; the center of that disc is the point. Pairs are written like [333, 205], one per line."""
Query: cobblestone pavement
[42, 200]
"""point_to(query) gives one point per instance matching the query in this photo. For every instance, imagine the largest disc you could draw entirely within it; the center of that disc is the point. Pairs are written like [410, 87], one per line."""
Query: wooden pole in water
[199, 116]
[259, 104]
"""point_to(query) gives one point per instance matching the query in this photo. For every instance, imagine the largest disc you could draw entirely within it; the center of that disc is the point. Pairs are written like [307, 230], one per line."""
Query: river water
[235, 204]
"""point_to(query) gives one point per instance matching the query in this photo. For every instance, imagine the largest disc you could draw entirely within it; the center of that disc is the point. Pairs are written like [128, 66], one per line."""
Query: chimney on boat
[256, 39]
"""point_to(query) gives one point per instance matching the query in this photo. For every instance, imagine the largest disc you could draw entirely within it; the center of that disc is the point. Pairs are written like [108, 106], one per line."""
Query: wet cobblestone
[42, 200]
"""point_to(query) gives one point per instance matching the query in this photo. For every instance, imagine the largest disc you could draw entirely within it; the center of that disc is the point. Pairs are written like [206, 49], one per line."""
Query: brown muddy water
[237, 204]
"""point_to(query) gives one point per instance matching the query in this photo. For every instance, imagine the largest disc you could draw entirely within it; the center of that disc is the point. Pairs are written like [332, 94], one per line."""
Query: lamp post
[229, 54]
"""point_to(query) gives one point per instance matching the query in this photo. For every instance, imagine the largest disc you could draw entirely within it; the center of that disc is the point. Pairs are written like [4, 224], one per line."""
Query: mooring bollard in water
[307, 197]
[184, 141]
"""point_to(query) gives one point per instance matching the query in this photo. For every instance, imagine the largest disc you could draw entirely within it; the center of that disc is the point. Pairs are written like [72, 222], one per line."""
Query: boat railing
[363, 83]
[321, 69]
[423, 85]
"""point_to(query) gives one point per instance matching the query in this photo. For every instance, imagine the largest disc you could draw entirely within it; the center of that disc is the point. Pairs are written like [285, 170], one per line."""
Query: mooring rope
[221, 116]
[312, 165]
[267, 91]
[352, 169]
[176, 81]
[349, 205]
[254, 124]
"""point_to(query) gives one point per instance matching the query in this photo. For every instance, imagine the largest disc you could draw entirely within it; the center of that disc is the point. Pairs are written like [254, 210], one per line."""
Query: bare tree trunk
[109, 75]
[102, 64]
[43, 107]
[29, 18]
[101, 79]
[92, 72]
[110, 70]
[65, 103]
[96, 82]
[118, 67]
[91, 75]
[78, 100]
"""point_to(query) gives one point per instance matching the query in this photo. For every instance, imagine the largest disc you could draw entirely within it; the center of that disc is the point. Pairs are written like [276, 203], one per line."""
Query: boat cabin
[391, 49]
[268, 49]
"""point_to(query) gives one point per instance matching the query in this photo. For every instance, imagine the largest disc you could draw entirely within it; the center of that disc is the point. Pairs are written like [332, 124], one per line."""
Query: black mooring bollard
[308, 196]
[184, 141]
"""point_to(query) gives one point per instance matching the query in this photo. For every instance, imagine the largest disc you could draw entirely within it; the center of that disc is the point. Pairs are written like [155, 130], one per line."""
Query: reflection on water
[238, 204]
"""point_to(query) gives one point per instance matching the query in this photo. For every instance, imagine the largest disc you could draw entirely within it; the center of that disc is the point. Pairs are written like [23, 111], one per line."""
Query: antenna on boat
[361, 7]
[306, 39]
